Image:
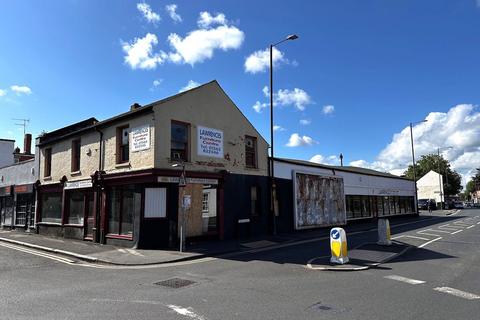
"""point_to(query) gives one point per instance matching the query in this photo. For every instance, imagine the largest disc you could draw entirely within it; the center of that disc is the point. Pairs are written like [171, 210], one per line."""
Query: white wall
[6, 152]
[430, 186]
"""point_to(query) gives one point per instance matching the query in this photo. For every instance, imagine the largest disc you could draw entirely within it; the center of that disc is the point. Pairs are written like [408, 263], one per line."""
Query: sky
[352, 82]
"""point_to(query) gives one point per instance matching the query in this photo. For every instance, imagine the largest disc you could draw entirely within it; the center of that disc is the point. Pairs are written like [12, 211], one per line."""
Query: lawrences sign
[210, 142]
[141, 138]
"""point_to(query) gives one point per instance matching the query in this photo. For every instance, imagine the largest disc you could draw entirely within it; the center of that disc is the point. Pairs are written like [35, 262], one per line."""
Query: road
[439, 279]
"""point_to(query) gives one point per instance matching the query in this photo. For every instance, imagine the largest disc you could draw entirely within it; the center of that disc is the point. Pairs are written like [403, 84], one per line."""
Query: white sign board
[188, 180]
[78, 184]
[210, 142]
[155, 202]
[140, 138]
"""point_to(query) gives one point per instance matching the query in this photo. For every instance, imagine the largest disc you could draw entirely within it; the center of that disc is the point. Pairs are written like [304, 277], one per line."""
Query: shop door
[89, 216]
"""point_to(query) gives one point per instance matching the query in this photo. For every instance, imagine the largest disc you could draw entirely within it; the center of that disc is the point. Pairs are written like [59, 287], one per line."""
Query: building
[6, 152]
[17, 190]
[314, 195]
[119, 181]
[430, 186]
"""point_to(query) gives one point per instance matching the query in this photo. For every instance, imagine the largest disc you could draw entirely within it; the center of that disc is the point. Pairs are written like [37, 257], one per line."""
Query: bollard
[338, 246]
[384, 232]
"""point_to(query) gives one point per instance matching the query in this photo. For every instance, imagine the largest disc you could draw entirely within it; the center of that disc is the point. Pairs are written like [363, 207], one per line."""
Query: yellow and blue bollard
[338, 246]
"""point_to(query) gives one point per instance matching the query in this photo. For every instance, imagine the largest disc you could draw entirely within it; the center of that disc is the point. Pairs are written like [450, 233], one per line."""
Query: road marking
[407, 236]
[457, 231]
[37, 253]
[470, 227]
[427, 234]
[449, 227]
[186, 312]
[457, 293]
[403, 279]
[427, 243]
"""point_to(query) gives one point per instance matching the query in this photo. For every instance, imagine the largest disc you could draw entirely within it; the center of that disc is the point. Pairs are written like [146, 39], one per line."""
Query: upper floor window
[48, 162]
[250, 152]
[123, 151]
[76, 155]
[179, 141]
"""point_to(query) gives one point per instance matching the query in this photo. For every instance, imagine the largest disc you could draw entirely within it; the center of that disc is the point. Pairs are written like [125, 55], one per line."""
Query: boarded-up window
[155, 203]
[319, 201]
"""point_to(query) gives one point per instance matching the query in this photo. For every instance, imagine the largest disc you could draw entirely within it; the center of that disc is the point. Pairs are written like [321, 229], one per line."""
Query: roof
[351, 169]
[7, 140]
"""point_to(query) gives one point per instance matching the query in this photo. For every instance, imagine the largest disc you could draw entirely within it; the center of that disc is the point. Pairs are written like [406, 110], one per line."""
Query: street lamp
[442, 198]
[413, 162]
[183, 222]
[272, 175]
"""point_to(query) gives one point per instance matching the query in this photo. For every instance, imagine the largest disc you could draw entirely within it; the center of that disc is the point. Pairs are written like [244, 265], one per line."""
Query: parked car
[423, 204]
[458, 205]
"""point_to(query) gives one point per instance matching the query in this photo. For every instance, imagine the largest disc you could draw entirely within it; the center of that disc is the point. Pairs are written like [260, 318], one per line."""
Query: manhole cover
[175, 283]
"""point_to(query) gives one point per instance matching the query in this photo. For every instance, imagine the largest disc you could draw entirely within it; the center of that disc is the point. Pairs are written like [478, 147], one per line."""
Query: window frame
[76, 155]
[187, 143]
[255, 153]
[120, 146]
[47, 169]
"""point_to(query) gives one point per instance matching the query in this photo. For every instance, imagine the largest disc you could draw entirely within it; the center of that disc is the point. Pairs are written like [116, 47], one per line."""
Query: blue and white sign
[335, 234]
[210, 142]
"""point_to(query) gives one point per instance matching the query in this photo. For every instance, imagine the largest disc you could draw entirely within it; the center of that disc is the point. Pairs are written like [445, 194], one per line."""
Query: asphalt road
[440, 279]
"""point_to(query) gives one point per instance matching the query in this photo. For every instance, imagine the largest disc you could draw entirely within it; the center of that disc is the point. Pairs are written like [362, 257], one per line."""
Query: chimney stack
[27, 144]
[135, 106]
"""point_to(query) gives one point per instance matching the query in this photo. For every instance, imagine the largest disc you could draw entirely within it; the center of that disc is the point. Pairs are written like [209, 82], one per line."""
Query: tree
[452, 181]
[472, 185]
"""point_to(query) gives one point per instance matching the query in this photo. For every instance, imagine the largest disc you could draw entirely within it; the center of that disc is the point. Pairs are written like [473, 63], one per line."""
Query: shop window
[380, 210]
[155, 203]
[48, 162]
[76, 207]
[75, 155]
[179, 141]
[392, 205]
[123, 152]
[250, 152]
[124, 205]
[205, 202]
[365, 206]
[25, 207]
[254, 201]
[6, 210]
[349, 206]
[357, 207]
[51, 207]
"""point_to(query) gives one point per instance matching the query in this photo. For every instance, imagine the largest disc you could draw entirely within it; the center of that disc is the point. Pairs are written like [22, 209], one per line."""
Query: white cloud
[305, 122]
[458, 128]
[296, 141]
[258, 107]
[297, 97]
[200, 44]
[148, 13]
[259, 61]
[157, 82]
[205, 19]
[19, 90]
[139, 53]
[328, 109]
[331, 160]
[3, 92]
[172, 12]
[278, 128]
[190, 85]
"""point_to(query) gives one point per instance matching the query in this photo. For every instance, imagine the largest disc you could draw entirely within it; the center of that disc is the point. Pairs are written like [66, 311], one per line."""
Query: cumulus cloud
[259, 61]
[190, 85]
[140, 55]
[305, 122]
[19, 90]
[328, 109]
[278, 128]
[297, 140]
[258, 107]
[157, 82]
[3, 92]
[296, 97]
[331, 160]
[148, 13]
[458, 128]
[172, 12]
[206, 20]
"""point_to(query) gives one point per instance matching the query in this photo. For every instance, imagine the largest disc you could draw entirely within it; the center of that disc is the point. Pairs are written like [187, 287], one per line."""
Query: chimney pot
[135, 106]
[27, 144]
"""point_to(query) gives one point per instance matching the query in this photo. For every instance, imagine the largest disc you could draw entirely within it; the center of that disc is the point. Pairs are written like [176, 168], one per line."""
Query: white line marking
[403, 279]
[185, 312]
[470, 227]
[478, 222]
[37, 253]
[423, 232]
[449, 227]
[414, 237]
[457, 293]
[427, 243]
[457, 231]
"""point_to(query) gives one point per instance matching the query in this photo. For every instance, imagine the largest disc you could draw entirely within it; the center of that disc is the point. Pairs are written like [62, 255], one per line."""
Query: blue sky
[358, 74]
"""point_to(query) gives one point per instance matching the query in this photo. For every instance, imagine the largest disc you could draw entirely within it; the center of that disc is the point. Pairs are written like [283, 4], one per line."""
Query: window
[124, 205]
[52, 207]
[76, 207]
[205, 202]
[155, 203]
[179, 141]
[48, 162]
[254, 201]
[250, 152]
[75, 155]
[123, 134]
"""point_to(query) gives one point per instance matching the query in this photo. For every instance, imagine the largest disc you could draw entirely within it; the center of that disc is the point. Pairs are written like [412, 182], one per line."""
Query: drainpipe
[99, 234]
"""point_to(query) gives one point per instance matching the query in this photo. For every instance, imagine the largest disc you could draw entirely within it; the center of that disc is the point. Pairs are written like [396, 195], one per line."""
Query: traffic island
[363, 257]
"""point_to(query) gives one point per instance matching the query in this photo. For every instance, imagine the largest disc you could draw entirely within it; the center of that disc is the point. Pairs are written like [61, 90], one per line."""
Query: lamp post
[272, 172]
[413, 163]
[442, 199]
[183, 222]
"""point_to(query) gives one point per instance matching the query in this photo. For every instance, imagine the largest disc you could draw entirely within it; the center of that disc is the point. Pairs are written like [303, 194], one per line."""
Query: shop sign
[189, 180]
[26, 188]
[141, 138]
[78, 184]
[387, 192]
[5, 191]
[210, 142]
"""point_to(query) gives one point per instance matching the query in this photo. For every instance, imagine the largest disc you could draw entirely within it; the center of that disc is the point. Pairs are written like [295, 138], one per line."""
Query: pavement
[363, 256]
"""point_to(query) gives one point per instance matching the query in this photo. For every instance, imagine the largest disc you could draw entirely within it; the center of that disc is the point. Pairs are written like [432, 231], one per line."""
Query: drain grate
[175, 283]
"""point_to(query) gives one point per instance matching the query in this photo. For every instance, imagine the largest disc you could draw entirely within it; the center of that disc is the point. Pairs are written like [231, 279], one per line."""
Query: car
[458, 205]
[423, 204]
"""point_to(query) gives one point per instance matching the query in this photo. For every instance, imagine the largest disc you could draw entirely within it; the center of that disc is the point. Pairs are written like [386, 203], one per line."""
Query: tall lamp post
[440, 184]
[272, 175]
[183, 223]
[413, 163]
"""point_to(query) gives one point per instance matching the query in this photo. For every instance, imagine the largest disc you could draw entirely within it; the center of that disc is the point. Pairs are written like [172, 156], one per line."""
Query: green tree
[452, 181]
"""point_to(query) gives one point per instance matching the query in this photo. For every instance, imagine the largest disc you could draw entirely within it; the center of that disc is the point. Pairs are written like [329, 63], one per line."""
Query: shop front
[25, 206]
[6, 206]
